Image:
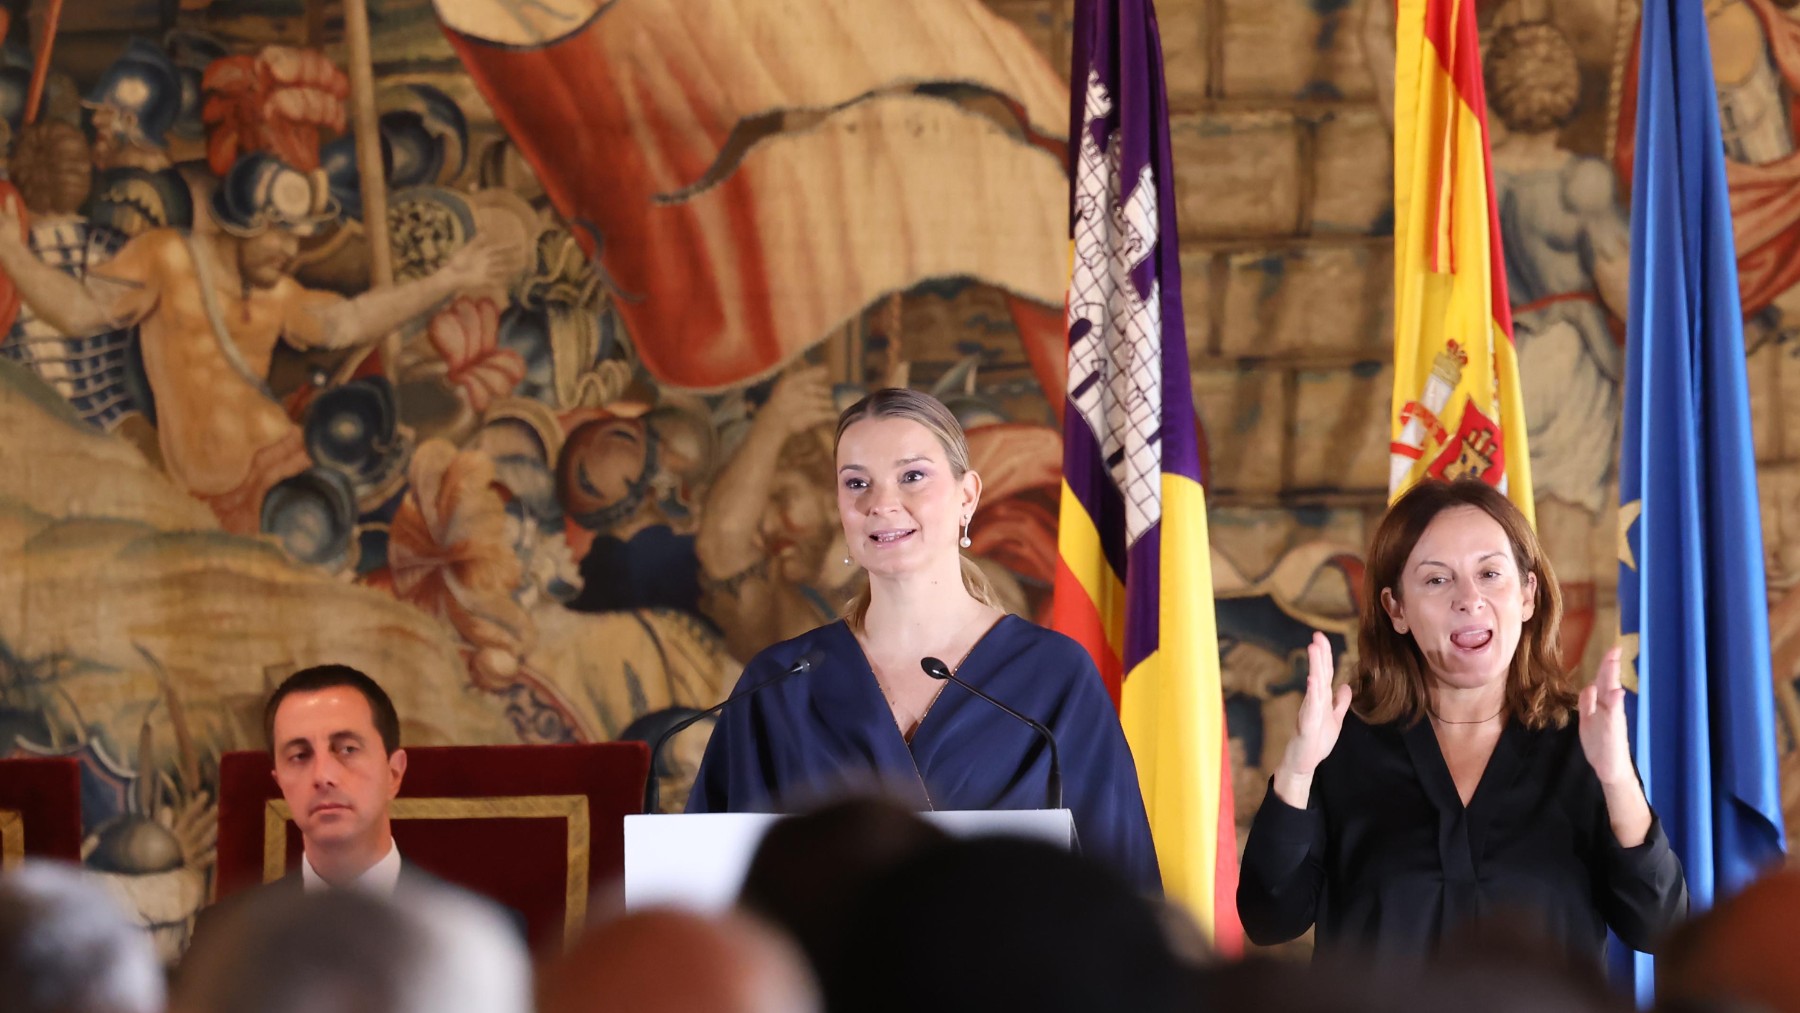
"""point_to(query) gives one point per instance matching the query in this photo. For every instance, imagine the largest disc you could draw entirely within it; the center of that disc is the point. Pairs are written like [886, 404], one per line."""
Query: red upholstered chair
[536, 828]
[40, 809]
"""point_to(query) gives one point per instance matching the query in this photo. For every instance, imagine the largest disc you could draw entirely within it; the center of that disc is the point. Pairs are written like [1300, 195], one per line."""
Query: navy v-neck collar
[850, 695]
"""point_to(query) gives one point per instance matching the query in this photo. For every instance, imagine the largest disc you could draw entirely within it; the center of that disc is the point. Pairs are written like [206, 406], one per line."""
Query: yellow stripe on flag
[1078, 542]
[1173, 709]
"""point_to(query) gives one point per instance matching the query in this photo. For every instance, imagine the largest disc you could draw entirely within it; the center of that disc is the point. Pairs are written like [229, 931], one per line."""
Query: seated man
[336, 744]
[335, 739]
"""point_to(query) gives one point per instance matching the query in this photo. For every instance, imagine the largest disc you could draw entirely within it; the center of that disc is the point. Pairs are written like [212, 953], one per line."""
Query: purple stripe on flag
[1085, 471]
[1143, 588]
[1180, 430]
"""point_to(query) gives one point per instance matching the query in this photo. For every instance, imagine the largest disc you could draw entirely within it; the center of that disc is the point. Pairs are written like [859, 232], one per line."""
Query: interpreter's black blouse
[1385, 857]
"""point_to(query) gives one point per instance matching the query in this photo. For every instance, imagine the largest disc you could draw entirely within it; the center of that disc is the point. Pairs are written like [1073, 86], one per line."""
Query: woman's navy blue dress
[830, 731]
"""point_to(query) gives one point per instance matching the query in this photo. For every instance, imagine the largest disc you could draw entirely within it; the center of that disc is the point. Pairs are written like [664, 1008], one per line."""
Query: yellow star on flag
[1628, 515]
[1628, 658]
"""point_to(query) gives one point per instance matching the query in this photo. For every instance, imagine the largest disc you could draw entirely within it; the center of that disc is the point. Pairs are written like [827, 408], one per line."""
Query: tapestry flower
[466, 336]
[449, 552]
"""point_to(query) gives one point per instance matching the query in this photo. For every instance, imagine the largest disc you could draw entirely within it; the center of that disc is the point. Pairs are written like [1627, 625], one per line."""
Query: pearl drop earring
[965, 543]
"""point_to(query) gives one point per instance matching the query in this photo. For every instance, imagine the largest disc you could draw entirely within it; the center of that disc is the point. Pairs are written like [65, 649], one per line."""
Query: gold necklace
[1483, 721]
[912, 722]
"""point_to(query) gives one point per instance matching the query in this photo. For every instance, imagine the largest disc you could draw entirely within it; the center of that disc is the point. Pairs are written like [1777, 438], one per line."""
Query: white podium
[698, 861]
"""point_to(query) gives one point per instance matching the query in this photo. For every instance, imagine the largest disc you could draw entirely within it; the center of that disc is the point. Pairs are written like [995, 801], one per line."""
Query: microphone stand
[938, 670]
[652, 790]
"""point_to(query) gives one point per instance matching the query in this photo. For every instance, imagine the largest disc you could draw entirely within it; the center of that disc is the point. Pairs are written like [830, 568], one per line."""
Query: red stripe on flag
[1443, 196]
[1452, 32]
[1073, 613]
[1502, 301]
[1453, 35]
[1228, 931]
[1440, 31]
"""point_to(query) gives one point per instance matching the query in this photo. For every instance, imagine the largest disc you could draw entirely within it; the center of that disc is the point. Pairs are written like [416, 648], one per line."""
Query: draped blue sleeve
[730, 777]
[801, 740]
[765, 752]
[1053, 679]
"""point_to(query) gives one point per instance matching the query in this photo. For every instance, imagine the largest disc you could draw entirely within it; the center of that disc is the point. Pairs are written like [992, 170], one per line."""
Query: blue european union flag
[1692, 603]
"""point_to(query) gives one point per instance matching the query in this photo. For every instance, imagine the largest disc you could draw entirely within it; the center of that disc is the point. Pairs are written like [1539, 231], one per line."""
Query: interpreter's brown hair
[1392, 682]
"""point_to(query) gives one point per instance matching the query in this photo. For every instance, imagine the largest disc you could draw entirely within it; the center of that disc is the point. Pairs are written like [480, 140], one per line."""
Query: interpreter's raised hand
[1316, 728]
[1601, 709]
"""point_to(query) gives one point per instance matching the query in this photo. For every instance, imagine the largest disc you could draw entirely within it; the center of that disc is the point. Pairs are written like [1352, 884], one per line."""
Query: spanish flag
[1133, 580]
[1457, 409]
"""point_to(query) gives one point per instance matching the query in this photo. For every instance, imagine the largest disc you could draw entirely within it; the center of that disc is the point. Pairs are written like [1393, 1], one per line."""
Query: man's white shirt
[378, 879]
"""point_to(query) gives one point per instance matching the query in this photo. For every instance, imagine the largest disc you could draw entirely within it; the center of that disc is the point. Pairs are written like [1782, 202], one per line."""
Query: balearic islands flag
[1457, 408]
[1134, 582]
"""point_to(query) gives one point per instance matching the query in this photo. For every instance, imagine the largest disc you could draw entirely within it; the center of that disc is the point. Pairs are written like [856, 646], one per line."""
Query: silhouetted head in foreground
[809, 868]
[434, 950]
[67, 947]
[668, 961]
[1004, 923]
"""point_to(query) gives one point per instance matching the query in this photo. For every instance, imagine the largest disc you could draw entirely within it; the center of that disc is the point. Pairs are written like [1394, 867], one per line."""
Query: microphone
[938, 670]
[805, 663]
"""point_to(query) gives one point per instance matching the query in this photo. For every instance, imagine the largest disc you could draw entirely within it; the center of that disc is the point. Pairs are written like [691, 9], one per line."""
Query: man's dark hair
[320, 677]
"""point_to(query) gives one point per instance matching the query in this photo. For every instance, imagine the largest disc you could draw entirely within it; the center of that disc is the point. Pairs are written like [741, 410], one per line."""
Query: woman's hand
[1601, 708]
[1316, 728]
